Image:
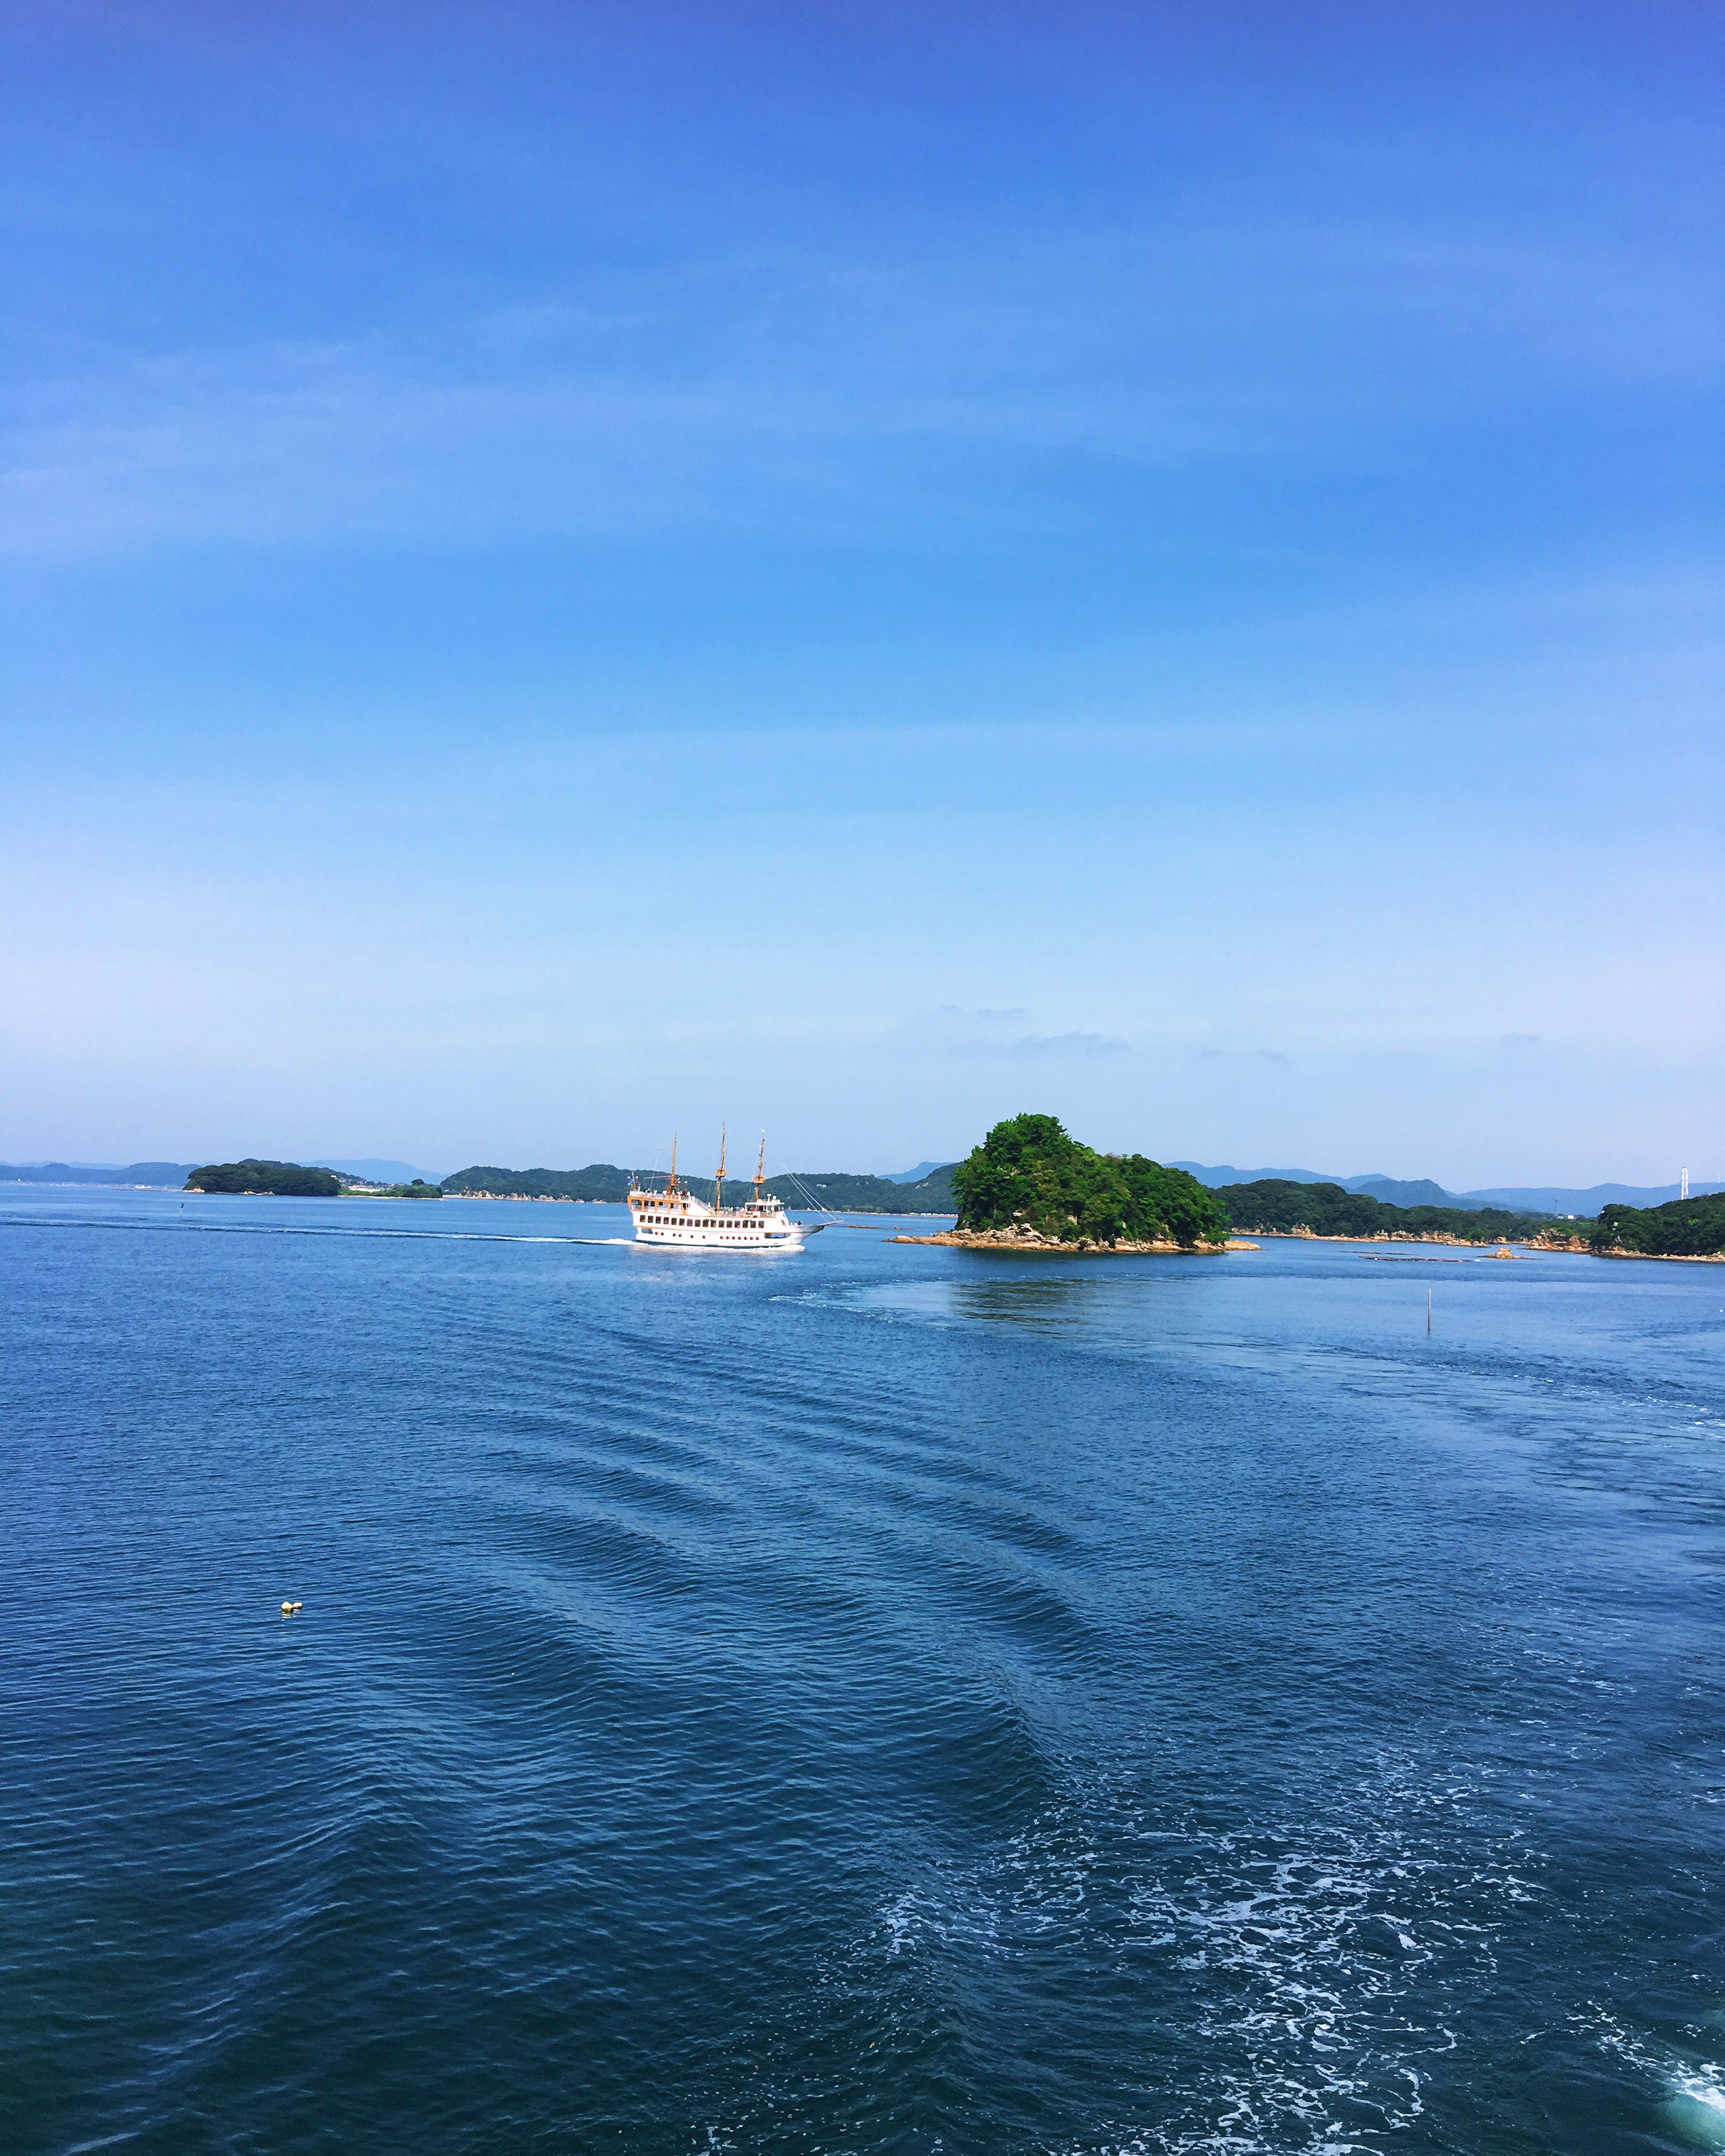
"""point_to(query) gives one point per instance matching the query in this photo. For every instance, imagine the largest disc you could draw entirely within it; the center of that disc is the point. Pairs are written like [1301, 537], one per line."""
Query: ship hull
[715, 1239]
[670, 1220]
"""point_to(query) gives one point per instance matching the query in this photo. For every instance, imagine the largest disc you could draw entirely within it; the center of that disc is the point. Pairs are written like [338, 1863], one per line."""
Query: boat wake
[361, 1234]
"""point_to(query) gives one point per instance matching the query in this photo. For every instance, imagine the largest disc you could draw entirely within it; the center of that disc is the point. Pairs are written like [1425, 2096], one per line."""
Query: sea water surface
[877, 1699]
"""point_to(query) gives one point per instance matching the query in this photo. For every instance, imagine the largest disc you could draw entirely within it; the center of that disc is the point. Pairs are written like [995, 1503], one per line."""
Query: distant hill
[378, 1171]
[1215, 1177]
[926, 1188]
[1548, 1199]
[1389, 1191]
[1693, 1227]
[264, 1178]
[152, 1174]
[171, 1174]
[1545, 1198]
[868, 1193]
[1276, 1205]
[1384, 1187]
[602, 1183]
[599, 1184]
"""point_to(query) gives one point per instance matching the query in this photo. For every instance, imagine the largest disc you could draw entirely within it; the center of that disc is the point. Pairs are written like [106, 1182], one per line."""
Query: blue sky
[573, 572]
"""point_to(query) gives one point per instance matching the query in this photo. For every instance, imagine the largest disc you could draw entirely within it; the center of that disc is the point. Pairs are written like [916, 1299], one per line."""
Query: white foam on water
[1690, 2093]
[1313, 1975]
[178, 1227]
[1695, 2109]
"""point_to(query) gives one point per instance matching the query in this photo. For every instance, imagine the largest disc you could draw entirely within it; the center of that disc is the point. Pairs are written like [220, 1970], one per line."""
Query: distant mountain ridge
[1544, 1198]
[377, 1171]
[1324, 1208]
[151, 1174]
[171, 1174]
[925, 1187]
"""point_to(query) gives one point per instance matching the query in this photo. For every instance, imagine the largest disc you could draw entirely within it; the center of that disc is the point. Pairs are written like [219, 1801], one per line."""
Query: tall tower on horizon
[1684, 1192]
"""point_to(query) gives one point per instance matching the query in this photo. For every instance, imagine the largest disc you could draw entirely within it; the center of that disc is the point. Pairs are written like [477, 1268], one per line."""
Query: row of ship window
[731, 1226]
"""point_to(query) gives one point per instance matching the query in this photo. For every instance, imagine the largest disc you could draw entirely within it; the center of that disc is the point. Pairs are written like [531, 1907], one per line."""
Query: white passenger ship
[675, 1217]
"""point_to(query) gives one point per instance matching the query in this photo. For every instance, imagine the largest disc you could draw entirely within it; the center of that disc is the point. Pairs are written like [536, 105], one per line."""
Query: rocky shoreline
[1500, 1245]
[1388, 1236]
[1032, 1244]
[1027, 1239]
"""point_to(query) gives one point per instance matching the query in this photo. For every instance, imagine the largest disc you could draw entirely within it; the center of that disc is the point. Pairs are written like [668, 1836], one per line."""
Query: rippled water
[877, 1699]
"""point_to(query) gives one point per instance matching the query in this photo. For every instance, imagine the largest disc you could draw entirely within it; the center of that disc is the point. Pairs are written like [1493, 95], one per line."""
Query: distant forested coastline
[141, 1174]
[264, 1178]
[1686, 1228]
[1272, 1207]
[603, 1184]
[1028, 1169]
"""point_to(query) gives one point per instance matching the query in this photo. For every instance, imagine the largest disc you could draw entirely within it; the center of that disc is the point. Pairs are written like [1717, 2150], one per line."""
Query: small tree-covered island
[291, 1178]
[264, 1179]
[1029, 1186]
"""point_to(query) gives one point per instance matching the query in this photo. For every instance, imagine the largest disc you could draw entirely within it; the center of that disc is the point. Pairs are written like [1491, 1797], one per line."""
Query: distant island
[141, 1175]
[1273, 1207]
[264, 1179]
[1031, 1186]
[292, 1178]
[1544, 1198]
[1686, 1228]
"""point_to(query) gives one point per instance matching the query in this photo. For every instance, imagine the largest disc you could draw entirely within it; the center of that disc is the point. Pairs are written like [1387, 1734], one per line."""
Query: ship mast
[761, 1169]
[671, 1180]
[719, 1179]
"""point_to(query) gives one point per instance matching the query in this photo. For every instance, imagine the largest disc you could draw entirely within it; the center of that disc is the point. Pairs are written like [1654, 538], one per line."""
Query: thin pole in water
[1428, 1313]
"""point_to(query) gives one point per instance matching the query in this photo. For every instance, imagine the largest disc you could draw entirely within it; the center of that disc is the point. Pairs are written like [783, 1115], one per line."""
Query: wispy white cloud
[998, 1035]
[779, 390]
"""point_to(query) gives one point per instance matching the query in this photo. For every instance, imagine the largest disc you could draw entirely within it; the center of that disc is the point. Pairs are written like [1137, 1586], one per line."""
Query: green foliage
[1272, 1207]
[1686, 1228]
[270, 1178]
[933, 1193]
[867, 1193]
[418, 1188]
[601, 1182]
[1028, 1172]
[605, 1184]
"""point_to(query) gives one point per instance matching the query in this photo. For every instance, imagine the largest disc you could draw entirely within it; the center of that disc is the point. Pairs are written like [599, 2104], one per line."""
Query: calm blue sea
[880, 1699]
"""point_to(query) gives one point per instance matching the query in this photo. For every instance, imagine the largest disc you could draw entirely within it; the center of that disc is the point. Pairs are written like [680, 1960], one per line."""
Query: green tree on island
[1683, 1228]
[1273, 1206]
[1030, 1173]
[266, 1178]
